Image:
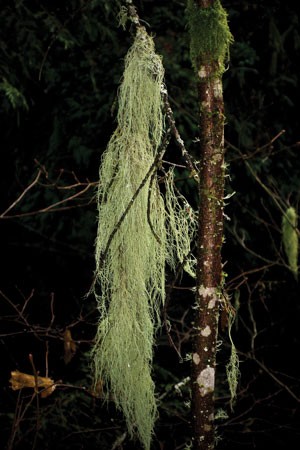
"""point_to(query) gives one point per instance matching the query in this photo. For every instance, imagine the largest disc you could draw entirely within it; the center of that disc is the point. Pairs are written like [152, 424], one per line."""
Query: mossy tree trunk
[206, 19]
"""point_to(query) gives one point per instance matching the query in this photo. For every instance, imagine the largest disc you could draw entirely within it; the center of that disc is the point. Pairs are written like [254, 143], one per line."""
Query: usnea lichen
[131, 254]
[181, 226]
[210, 37]
[131, 278]
[232, 368]
[290, 239]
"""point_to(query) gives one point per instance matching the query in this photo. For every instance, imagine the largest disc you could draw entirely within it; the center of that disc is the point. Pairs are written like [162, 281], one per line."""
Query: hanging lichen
[131, 277]
[210, 36]
[136, 236]
[290, 238]
[181, 226]
[232, 368]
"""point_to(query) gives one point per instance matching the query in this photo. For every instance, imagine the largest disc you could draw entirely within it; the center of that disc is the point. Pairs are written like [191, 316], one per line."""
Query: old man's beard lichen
[136, 236]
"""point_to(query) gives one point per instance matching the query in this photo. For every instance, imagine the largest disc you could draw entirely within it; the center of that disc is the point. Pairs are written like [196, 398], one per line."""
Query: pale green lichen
[220, 414]
[122, 16]
[130, 282]
[291, 239]
[130, 271]
[210, 37]
[232, 368]
[181, 227]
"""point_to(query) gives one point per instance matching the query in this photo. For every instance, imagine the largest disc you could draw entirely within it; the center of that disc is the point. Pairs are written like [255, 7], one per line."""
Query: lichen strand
[232, 368]
[210, 37]
[291, 239]
[181, 227]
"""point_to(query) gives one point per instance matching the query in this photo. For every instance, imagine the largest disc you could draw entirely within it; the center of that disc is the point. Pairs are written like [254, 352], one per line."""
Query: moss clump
[210, 36]
[290, 239]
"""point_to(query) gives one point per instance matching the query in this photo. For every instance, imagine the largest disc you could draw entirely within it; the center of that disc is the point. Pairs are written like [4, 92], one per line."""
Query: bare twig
[230, 286]
[52, 312]
[170, 118]
[20, 313]
[22, 195]
[149, 208]
[35, 373]
[271, 374]
[254, 152]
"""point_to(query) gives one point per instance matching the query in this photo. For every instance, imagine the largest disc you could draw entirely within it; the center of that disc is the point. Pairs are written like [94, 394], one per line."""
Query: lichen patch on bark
[206, 381]
[202, 72]
[212, 303]
[206, 291]
[206, 331]
[196, 358]
[217, 88]
[209, 292]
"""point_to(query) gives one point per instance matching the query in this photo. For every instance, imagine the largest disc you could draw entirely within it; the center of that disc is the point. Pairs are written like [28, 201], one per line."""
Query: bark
[209, 268]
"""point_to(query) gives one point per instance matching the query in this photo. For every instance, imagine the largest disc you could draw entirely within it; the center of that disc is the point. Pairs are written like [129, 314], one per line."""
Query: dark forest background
[61, 63]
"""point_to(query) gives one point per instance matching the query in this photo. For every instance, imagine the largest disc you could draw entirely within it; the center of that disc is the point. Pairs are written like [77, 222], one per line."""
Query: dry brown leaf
[69, 346]
[20, 380]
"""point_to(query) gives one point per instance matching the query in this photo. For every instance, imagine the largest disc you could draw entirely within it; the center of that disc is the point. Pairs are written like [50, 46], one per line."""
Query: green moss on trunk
[210, 36]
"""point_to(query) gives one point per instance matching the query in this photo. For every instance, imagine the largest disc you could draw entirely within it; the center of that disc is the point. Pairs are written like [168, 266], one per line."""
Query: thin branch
[44, 211]
[248, 272]
[52, 313]
[35, 373]
[149, 208]
[173, 164]
[242, 243]
[257, 150]
[22, 195]
[20, 313]
[66, 199]
[268, 371]
[277, 380]
[170, 118]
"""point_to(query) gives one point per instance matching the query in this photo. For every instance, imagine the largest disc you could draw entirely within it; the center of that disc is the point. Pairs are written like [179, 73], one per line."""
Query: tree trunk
[209, 69]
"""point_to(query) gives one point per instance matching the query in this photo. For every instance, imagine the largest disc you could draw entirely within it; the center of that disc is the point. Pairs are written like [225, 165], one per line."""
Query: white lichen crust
[206, 381]
[206, 331]
[196, 358]
[211, 293]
